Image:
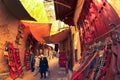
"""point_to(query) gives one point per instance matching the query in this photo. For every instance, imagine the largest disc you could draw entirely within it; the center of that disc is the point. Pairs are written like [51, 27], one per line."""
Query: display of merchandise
[62, 59]
[27, 59]
[96, 67]
[14, 63]
[18, 65]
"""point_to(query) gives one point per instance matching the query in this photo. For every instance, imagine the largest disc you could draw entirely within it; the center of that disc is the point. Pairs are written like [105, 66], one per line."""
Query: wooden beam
[65, 5]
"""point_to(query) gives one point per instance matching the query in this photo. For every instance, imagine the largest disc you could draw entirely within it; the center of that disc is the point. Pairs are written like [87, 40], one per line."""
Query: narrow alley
[59, 39]
[56, 73]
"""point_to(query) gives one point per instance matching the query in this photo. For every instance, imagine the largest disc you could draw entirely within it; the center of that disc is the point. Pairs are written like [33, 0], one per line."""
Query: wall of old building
[8, 32]
[76, 44]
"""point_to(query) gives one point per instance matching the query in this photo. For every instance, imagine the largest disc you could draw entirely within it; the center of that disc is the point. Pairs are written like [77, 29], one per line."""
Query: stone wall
[8, 32]
[49, 7]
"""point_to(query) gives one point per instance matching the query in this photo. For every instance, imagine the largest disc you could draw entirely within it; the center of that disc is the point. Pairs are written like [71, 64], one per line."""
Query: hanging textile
[62, 59]
[83, 68]
[27, 59]
[14, 63]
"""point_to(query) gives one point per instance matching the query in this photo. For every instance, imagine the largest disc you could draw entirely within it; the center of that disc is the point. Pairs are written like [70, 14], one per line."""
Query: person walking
[37, 60]
[43, 65]
[32, 61]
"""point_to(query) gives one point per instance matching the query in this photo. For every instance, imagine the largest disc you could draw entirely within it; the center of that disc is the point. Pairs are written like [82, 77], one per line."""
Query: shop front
[99, 36]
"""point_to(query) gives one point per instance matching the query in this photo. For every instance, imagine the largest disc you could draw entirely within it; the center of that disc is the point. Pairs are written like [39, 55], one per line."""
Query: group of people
[39, 64]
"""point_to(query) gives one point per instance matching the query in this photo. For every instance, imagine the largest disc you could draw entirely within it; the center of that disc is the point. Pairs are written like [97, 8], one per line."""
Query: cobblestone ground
[56, 73]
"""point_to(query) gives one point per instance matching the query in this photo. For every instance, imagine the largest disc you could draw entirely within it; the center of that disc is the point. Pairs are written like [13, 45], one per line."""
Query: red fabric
[62, 59]
[80, 73]
[11, 63]
[104, 71]
[12, 66]
[27, 59]
[77, 76]
[99, 15]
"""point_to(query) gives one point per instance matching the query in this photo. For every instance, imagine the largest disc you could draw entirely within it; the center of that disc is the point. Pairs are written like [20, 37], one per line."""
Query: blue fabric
[117, 35]
[32, 60]
[91, 66]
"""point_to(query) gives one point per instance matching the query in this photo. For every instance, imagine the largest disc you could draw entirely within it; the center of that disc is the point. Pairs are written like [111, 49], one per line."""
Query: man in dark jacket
[43, 66]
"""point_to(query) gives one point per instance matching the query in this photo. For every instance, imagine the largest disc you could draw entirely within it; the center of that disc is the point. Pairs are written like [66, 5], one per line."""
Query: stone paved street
[56, 73]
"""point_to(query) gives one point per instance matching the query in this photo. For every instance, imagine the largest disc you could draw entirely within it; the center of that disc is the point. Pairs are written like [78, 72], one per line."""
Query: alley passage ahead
[56, 73]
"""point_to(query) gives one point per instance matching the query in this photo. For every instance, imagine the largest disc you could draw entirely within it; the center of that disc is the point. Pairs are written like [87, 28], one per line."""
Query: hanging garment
[106, 67]
[101, 62]
[12, 62]
[110, 73]
[27, 59]
[116, 61]
[91, 73]
[118, 57]
[100, 68]
[81, 72]
[89, 69]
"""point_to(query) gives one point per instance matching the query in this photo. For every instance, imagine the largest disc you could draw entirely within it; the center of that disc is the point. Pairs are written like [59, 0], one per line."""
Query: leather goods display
[27, 59]
[14, 63]
[18, 63]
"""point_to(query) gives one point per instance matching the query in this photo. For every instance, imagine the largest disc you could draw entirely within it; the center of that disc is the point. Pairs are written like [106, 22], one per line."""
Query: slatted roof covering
[64, 10]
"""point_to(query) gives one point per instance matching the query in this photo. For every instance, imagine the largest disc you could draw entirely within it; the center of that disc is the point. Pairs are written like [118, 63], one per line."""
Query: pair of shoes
[41, 77]
[44, 77]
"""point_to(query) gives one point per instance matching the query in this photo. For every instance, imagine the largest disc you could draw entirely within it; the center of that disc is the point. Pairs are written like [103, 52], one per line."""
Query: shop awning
[115, 5]
[56, 38]
[16, 8]
[64, 10]
[38, 30]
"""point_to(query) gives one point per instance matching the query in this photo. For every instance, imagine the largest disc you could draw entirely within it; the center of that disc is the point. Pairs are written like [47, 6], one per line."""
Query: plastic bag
[47, 73]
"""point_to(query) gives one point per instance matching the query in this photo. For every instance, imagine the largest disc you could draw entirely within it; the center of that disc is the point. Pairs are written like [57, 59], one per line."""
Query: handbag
[47, 73]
